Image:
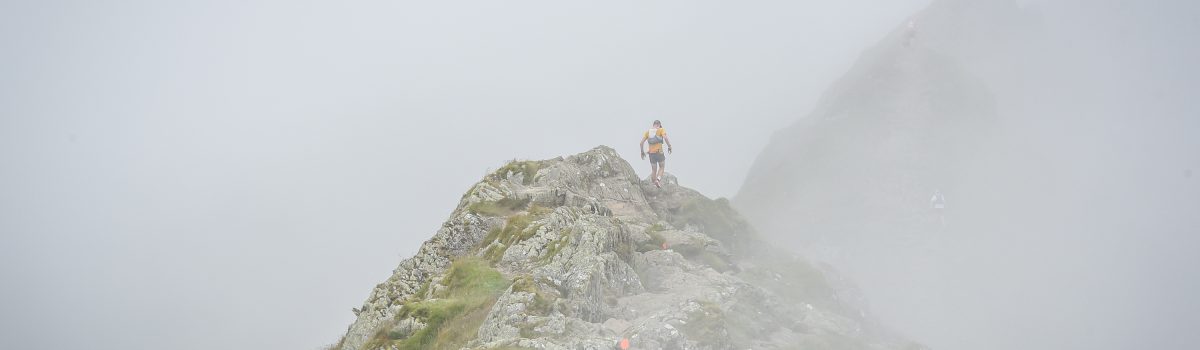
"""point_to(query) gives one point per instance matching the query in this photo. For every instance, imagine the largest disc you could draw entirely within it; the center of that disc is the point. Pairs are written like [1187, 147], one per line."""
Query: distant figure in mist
[656, 136]
[938, 202]
[910, 33]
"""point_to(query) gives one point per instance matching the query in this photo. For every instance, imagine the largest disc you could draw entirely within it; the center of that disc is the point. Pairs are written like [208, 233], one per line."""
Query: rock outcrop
[578, 253]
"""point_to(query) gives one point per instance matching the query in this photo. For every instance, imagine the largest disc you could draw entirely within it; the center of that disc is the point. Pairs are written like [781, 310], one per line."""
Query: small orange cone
[664, 245]
[624, 344]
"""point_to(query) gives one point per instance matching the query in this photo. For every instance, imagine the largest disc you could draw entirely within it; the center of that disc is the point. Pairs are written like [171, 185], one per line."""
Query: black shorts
[657, 158]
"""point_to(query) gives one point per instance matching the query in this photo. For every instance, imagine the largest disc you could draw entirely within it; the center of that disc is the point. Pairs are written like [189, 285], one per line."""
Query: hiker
[939, 206]
[658, 161]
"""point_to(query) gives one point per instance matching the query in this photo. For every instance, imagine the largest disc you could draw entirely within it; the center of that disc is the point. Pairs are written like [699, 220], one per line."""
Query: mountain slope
[894, 129]
[578, 253]
[909, 118]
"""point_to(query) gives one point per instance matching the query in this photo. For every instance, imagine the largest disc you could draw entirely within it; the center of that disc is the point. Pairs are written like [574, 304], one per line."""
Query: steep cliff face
[578, 253]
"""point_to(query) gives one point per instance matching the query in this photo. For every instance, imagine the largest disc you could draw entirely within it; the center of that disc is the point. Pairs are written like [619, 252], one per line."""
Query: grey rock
[582, 240]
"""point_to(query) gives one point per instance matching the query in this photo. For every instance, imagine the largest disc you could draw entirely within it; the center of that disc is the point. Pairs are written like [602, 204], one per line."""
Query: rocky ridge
[578, 253]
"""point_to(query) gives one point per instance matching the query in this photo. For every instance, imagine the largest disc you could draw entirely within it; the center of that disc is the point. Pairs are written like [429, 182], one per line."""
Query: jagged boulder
[578, 253]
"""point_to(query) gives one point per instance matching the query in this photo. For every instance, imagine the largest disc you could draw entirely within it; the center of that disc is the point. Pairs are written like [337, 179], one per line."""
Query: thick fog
[1071, 223]
[233, 174]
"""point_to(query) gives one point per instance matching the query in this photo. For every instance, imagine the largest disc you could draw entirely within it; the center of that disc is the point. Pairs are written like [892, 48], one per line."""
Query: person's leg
[653, 170]
[662, 168]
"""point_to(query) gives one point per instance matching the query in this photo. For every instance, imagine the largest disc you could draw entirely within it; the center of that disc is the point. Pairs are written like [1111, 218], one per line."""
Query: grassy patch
[494, 253]
[503, 207]
[625, 250]
[556, 246]
[704, 256]
[515, 230]
[706, 325]
[713, 260]
[420, 293]
[469, 277]
[542, 304]
[805, 281]
[527, 168]
[796, 281]
[540, 211]
[454, 316]
[718, 220]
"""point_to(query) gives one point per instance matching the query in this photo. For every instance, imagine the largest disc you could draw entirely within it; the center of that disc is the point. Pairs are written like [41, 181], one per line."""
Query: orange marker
[664, 245]
[624, 344]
